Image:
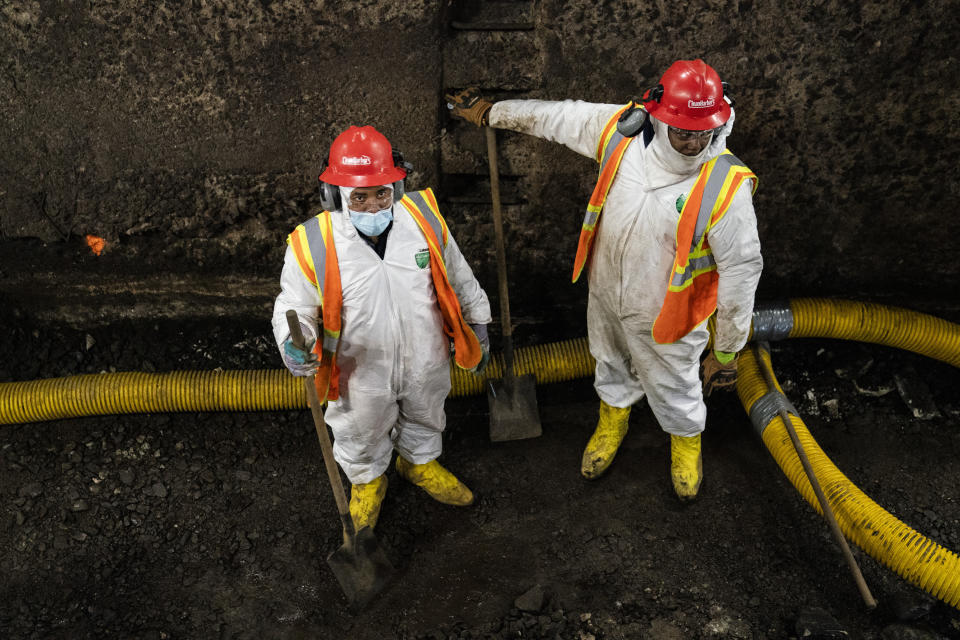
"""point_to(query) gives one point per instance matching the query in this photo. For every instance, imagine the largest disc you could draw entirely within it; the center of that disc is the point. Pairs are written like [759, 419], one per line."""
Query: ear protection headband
[330, 193]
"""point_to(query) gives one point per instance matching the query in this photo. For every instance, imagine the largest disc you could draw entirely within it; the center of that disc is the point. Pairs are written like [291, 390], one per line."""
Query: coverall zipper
[398, 342]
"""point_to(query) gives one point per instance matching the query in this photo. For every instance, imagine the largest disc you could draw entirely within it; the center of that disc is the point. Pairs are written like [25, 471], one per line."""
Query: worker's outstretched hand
[469, 106]
[300, 362]
[717, 375]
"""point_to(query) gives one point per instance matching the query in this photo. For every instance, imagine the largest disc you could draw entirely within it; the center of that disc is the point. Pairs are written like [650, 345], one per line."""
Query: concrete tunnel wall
[189, 134]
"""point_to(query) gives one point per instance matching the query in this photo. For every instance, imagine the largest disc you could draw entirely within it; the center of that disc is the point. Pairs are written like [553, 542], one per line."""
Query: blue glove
[300, 362]
[481, 331]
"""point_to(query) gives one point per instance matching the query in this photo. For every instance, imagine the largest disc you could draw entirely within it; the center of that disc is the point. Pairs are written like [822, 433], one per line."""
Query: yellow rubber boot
[365, 501]
[442, 485]
[603, 444]
[686, 466]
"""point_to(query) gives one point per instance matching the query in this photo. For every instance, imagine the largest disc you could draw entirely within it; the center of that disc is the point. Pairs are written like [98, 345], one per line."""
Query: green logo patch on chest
[422, 258]
[680, 201]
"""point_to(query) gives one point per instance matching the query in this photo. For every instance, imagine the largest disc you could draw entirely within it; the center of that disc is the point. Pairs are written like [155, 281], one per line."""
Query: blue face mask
[371, 224]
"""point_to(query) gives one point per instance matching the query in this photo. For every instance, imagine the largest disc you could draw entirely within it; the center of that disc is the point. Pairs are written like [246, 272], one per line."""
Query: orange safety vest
[315, 251]
[691, 294]
[610, 149]
[692, 291]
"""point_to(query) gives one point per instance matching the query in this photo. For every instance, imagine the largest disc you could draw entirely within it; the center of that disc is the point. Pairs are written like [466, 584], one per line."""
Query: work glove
[469, 106]
[719, 371]
[481, 331]
[300, 362]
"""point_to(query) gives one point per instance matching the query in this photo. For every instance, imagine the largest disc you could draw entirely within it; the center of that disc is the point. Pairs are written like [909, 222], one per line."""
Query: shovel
[360, 565]
[512, 400]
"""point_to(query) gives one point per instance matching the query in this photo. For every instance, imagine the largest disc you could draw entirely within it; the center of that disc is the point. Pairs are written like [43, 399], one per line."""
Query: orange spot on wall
[96, 244]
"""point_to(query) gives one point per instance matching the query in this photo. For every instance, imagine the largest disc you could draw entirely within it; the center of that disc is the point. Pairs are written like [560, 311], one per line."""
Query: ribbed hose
[555, 362]
[909, 553]
[866, 322]
[117, 393]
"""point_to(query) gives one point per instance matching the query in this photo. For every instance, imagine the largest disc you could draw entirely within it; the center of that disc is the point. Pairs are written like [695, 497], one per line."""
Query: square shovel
[512, 400]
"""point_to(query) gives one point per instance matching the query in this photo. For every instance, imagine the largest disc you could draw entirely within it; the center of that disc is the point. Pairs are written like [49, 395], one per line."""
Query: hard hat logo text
[355, 161]
[701, 104]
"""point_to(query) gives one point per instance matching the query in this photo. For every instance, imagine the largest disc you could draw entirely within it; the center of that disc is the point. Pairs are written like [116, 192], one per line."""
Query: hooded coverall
[632, 258]
[394, 357]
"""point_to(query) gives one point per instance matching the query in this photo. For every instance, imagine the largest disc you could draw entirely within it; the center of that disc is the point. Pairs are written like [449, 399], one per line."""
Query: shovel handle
[507, 328]
[313, 398]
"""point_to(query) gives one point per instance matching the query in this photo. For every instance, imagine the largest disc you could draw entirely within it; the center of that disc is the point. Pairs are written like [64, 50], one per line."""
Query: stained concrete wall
[189, 135]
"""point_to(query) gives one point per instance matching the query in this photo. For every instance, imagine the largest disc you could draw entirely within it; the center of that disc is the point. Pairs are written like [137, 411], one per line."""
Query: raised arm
[573, 123]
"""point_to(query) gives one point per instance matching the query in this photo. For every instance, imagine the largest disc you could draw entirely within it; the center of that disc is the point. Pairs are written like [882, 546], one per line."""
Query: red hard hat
[361, 157]
[689, 96]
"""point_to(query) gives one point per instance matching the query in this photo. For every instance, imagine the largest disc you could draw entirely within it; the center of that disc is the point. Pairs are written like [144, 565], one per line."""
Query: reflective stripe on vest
[316, 236]
[691, 295]
[312, 244]
[610, 149]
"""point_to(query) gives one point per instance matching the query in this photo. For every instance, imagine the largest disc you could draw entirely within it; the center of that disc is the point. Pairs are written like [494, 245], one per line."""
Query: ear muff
[398, 161]
[329, 196]
[632, 120]
[329, 193]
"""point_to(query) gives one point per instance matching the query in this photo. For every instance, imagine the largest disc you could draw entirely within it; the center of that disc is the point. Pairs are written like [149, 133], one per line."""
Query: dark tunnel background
[189, 135]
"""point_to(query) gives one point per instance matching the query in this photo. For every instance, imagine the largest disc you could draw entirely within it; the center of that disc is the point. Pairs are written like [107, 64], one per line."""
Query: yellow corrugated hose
[911, 555]
[264, 390]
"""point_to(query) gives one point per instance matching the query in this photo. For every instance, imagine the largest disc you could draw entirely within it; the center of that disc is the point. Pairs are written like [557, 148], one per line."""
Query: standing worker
[382, 276]
[676, 241]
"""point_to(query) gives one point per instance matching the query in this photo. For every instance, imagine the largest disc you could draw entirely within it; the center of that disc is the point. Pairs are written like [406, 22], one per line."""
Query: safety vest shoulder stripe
[613, 155]
[430, 223]
[735, 183]
[611, 147]
[707, 198]
[608, 130]
[318, 247]
[435, 210]
[430, 214]
[724, 175]
[298, 243]
[331, 303]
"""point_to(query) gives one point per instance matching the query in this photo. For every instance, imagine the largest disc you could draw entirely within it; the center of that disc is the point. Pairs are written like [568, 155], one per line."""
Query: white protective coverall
[632, 257]
[394, 357]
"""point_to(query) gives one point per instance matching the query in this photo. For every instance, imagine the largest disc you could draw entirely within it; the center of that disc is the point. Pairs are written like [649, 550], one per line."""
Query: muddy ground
[217, 525]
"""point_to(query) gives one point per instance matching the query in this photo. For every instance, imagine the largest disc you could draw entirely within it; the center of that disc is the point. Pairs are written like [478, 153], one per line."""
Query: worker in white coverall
[392, 358]
[630, 241]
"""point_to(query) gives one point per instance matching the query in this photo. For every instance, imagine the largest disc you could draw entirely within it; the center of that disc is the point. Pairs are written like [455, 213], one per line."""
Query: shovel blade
[513, 408]
[361, 567]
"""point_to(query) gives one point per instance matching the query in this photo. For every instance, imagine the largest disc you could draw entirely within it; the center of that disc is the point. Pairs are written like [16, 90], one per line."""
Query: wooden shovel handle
[313, 398]
[506, 325]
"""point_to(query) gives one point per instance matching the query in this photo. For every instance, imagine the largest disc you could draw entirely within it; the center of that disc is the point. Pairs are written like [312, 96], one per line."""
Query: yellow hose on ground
[907, 552]
[262, 390]
[878, 324]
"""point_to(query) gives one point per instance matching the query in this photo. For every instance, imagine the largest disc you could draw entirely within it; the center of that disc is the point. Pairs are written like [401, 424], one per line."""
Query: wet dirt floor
[217, 525]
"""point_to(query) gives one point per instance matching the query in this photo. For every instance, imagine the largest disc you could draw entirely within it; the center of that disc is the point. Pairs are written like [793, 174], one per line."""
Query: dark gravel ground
[216, 525]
